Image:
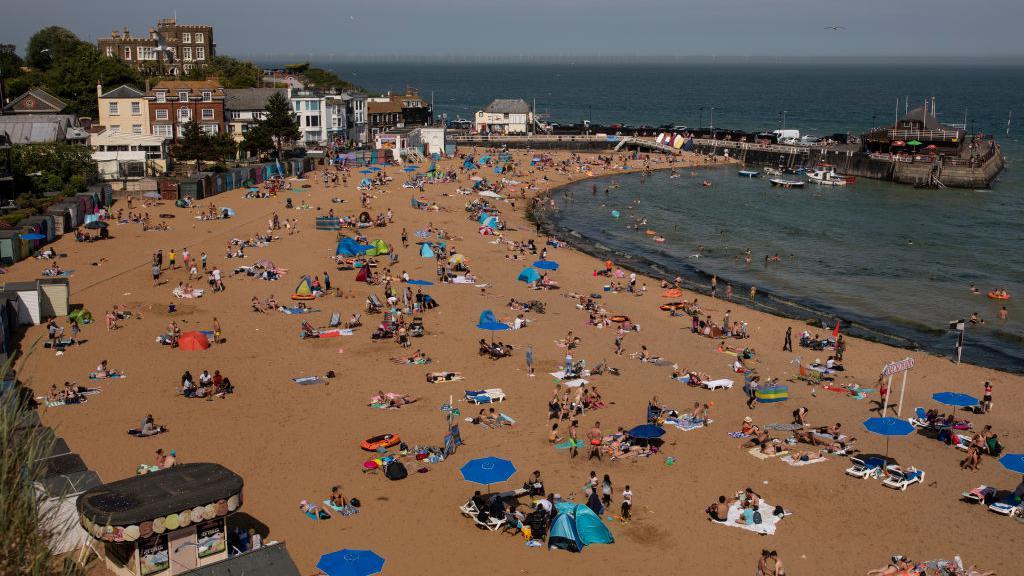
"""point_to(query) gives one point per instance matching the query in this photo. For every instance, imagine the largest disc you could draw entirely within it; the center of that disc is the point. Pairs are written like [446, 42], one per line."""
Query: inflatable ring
[671, 306]
[303, 297]
[377, 442]
[619, 318]
[996, 296]
[650, 232]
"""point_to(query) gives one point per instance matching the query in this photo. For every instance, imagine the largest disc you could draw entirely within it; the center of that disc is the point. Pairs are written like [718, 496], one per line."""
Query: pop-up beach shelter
[193, 341]
[528, 275]
[304, 291]
[378, 248]
[363, 275]
[349, 247]
[425, 251]
[575, 527]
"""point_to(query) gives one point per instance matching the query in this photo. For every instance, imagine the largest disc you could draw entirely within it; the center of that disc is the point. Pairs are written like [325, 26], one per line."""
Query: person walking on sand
[714, 285]
[202, 258]
[217, 332]
[594, 440]
[728, 291]
[573, 439]
[787, 346]
[753, 293]
[627, 503]
[156, 274]
[170, 259]
[986, 399]
[529, 360]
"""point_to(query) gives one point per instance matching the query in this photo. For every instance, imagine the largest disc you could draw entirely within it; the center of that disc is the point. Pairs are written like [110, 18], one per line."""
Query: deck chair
[864, 469]
[355, 322]
[335, 320]
[492, 524]
[920, 419]
[961, 442]
[373, 304]
[469, 509]
[898, 479]
[977, 495]
[1008, 506]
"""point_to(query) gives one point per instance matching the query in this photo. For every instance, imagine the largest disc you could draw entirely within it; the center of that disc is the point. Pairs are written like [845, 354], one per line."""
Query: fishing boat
[784, 183]
[749, 173]
[772, 171]
[825, 175]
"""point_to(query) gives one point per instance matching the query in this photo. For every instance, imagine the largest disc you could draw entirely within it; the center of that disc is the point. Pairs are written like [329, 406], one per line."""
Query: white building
[327, 115]
[125, 155]
[504, 116]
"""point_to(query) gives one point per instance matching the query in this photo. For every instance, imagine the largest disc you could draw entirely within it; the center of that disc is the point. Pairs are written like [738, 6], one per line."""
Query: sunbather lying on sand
[314, 511]
[417, 357]
[808, 455]
[393, 399]
[443, 376]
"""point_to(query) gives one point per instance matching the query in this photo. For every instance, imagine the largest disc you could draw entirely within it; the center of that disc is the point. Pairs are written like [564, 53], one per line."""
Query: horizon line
[1001, 60]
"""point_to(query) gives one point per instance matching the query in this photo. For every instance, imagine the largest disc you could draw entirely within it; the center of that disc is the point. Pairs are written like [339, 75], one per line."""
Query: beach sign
[888, 371]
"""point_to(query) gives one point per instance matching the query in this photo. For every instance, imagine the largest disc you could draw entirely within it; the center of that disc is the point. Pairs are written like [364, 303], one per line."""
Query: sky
[554, 29]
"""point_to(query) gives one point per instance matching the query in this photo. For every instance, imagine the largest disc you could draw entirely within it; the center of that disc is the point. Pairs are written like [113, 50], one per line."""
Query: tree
[279, 124]
[57, 167]
[10, 62]
[50, 45]
[222, 146]
[231, 73]
[257, 140]
[194, 145]
[326, 79]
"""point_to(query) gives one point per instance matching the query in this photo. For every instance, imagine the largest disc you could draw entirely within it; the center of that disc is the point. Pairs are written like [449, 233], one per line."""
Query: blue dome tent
[576, 527]
[425, 251]
[528, 275]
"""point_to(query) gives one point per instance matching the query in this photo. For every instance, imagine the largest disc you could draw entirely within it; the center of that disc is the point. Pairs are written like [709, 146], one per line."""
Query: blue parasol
[32, 236]
[487, 471]
[888, 426]
[348, 562]
[1013, 463]
[546, 264]
[410, 169]
[646, 432]
[420, 282]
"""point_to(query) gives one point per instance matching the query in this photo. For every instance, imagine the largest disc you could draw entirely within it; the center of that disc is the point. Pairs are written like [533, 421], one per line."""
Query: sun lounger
[335, 320]
[297, 310]
[469, 509]
[961, 442]
[978, 495]
[347, 510]
[309, 380]
[865, 468]
[492, 524]
[899, 479]
[794, 462]
[716, 384]
[921, 419]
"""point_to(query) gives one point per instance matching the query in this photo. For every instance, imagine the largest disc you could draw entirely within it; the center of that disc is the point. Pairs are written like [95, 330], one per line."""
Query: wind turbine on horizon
[835, 28]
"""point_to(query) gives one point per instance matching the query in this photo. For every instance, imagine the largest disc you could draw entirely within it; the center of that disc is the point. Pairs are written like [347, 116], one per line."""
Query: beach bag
[396, 471]
[757, 517]
[354, 502]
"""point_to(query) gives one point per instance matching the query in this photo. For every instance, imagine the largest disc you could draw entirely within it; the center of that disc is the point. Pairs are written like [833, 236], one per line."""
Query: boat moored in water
[825, 175]
[784, 183]
[749, 173]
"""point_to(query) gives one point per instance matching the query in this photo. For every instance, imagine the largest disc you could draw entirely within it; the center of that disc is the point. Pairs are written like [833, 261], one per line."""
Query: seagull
[835, 28]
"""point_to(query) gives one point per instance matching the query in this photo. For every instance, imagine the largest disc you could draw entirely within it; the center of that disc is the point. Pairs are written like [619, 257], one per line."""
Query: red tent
[363, 275]
[193, 341]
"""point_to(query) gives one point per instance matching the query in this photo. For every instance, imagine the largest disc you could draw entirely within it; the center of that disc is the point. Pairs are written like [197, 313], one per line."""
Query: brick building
[169, 49]
[174, 103]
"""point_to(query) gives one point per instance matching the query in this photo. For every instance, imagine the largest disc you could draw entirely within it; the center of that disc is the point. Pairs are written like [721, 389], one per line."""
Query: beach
[292, 443]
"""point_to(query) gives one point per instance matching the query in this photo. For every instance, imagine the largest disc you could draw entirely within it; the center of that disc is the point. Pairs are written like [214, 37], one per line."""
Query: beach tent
[489, 222]
[417, 204]
[193, 341]
[349, 247]
[457, 259]
[488, 321]
[425, 251]
[769, 394]
[575, 527]
[528, 275]
[378, 248]
[363, 275]
[304, 289]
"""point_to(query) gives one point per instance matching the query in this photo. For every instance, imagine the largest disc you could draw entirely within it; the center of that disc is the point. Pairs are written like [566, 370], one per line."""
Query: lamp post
[701, 118]
[784, 119]
[711, 123]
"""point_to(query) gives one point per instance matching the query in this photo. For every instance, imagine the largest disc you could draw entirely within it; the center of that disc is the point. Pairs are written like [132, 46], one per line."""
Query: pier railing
[925, 135]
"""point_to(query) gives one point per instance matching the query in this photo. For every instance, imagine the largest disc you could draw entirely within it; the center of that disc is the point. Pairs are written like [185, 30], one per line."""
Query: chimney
[114, 34]
[147, 85]
[127, 34]
[99, 89]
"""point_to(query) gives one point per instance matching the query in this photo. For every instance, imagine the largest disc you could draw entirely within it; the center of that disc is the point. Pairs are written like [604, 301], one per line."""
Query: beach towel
[296, 310]
[794, 462]
[756, 453]
[783, 427]
[94, 376]
[768, 520]
[568, 444]
[738, 435]
[195, 293]
[331, 333]
[685, 424]
[561, 374]
[715, 384]
[346, 510]
[309, 380]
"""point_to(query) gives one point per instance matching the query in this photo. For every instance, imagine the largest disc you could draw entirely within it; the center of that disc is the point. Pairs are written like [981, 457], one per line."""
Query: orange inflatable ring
[996, 296]
[378, 442]
[619, 318]
[672, 293]
[303, 297]
[671, 306]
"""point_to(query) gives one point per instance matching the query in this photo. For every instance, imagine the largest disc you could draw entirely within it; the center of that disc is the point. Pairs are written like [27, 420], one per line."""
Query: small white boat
[787, 183]
[772, 171]
[749, 173]
[825, 174]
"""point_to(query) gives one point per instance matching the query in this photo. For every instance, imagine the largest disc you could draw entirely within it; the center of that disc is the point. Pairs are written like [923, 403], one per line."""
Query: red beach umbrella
[193, 341]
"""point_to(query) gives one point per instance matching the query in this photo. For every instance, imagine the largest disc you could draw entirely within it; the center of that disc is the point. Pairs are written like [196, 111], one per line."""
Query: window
[110, 51]
[115, 128]
[208, 114]
[186, 52]
[186, 37]
[231, 128]
[161, 96]
[313, 105]
[235, 115]
[207, 96]
[112, 108]
[199, 38]
[146, 53]
[210, 128]
[136, 108]
[161, 114]
[163, 130]
[200, 53]
[183, 96]
[245, 128]
[312, 121]
[297, 106]
[184, 114]
[136, 128]
[127, 52]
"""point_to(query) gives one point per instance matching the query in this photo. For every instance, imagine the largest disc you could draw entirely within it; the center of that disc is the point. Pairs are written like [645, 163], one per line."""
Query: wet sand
[292, 442]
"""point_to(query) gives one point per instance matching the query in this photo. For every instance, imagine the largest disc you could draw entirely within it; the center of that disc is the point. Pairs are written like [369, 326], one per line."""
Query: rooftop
[39, 128]
[508, 106]
[35, 101]
[249, 98]
[195, 85]
[124, 91]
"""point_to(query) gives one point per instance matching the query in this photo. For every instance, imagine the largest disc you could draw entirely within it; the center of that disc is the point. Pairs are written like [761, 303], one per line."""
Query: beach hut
[189, 188]
[61, 219]
[168, 189]
[27, 301]
[88, 202]
[171, 521]
[54, 295]
[11, 247]
[528, 275]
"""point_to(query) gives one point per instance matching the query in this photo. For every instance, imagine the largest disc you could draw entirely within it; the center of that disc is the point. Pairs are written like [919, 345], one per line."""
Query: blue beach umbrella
[32, 236]
[366, 171]
[646, 432]
[420, 282]
[410, 169]
[487, 471]
[488, 321]
[955, 399]
[888, 426]
[1013, 463]
[348, 562]
[546, 264]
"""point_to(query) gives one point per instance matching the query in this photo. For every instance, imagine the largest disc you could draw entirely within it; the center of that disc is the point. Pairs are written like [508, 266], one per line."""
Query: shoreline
[292, 442]
[818, 312]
